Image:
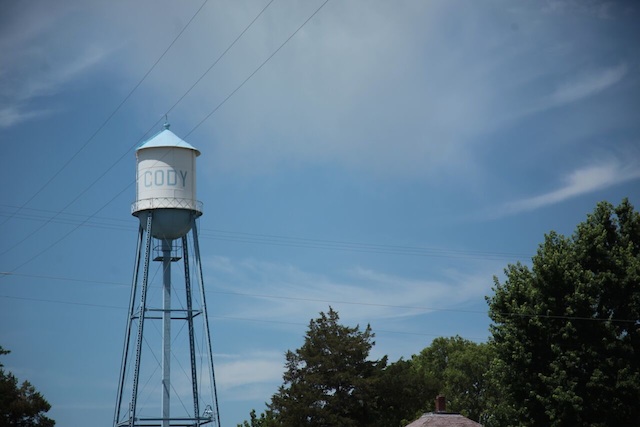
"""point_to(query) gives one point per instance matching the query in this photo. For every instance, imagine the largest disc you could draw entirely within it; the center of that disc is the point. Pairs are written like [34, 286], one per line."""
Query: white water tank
[166, 185]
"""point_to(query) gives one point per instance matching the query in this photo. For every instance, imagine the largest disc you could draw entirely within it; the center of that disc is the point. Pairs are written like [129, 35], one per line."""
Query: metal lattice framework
[127, 414]
[167, 202]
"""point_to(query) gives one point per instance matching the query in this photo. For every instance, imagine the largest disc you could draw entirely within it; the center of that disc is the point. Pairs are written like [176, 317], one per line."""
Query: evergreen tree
[21, 406]
[329, 381]
[264, 420]
[567, 330]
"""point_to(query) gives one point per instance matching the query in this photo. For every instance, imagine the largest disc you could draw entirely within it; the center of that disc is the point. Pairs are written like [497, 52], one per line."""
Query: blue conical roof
[166, 138]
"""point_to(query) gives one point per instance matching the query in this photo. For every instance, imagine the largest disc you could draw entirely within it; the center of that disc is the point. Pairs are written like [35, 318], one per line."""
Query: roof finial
[166, 122]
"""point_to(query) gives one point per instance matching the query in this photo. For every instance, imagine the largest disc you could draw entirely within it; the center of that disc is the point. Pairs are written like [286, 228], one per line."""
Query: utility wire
[127, 152]
[88, 141]
[122, 103]
[256, 70]
[251, 295]
[65, 208]
[218, 59]
[300, 242]
[68, 218]
[121, 157]
[289, 241]
[63, 302]
[107, 120]
[232, 318]
[326, 301]
[69, 232]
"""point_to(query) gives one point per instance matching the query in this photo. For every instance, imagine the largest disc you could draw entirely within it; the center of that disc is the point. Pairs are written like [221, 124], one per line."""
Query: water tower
[149, 393]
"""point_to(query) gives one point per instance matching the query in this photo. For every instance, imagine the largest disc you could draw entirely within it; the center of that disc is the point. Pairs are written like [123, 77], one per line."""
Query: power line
[69, 218]
[69, 232]
[85, 304]
[88, 141]
[326, 301]
[244, 319]
[251, 295]
[244, 237]
[126, 98]
[256, 70]
[301, 242]
[107, 120]
[217, 60]
[66, 207]
[124, 154]
[66, 279]
[121, 157]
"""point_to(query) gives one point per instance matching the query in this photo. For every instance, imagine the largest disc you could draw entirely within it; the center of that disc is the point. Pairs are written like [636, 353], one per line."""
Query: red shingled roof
[443, 419]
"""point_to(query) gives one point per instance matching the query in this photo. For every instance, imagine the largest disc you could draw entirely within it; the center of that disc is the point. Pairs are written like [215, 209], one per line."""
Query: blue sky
[388, 160]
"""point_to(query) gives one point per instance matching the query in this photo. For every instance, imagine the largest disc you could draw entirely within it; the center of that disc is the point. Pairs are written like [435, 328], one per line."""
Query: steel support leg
[166, 332]
[143, 309]
[127, 336]
[192, 347]
[196, 248]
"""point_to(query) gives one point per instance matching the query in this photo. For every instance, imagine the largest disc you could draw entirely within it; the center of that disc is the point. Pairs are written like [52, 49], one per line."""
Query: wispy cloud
[406, 104]
[20, 100]
[581, 181]
[587, 85]
[243, 376]
[40, 64]
[15, 114]
[249, 370]
[284, 298]
[58, 73]
[402, 102]
[601, 9]
[295, 295]
[571, 90]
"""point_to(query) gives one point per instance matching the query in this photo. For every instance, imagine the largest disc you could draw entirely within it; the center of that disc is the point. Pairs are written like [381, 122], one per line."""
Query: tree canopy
[564, 348]
[21, 406]
[456, 368]
[566, 331]
[328, 381]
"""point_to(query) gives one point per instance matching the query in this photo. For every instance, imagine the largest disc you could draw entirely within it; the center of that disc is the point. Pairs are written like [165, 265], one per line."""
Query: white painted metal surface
[166, 184]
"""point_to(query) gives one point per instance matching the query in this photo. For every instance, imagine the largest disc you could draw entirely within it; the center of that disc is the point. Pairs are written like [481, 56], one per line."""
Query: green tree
[21, 406]
[401, 394]
[329, 381]
[377, 394]
[264, 420]
[456, 368]
[567, 331]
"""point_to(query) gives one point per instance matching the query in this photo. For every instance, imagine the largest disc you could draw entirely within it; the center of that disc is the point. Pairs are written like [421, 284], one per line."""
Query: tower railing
[167, 202]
